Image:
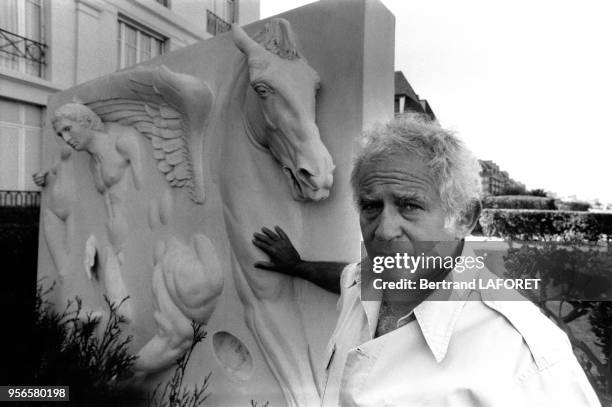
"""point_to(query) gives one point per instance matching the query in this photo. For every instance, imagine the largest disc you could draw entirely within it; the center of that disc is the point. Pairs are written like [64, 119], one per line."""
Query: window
[20, 141]
[22, 45]
[220, 18]
[230, 11]
[136, 44]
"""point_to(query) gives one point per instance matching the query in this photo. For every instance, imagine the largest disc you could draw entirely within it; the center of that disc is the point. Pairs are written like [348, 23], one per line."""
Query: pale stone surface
[265, 155]
[186, 285]
[57, 221]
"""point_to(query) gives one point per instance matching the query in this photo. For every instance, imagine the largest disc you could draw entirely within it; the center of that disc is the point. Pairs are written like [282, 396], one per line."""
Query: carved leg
[114, 285]
[56, 235]
[117, 226]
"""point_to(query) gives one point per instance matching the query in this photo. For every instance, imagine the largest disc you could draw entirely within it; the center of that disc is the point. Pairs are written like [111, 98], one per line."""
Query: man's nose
[389, 226]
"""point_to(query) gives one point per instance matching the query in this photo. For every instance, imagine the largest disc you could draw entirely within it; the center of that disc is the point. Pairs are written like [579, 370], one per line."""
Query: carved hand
[284, 258]
[40, 178]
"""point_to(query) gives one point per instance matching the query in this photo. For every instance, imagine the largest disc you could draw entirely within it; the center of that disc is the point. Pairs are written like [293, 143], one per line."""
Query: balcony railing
[215, 24]
[15, 49]
[20, 198]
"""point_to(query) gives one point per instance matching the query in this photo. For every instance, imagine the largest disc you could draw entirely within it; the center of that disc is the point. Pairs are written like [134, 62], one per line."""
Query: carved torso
[108, 164]
[60, 189]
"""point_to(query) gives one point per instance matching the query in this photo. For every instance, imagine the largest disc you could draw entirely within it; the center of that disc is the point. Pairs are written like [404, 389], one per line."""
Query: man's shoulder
[540, 356]
[523, 321]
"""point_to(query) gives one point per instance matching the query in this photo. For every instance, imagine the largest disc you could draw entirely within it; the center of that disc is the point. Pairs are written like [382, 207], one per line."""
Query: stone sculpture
[169, 109]
[280, 109]
[237, 116]
[274, 93]
[187, 281]
[57, 222]
[113, 149]
[164, 107]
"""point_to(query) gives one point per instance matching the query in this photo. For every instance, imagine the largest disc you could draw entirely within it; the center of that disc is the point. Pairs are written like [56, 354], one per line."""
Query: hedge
[18, 251]
[518, 202]
[525, 224]
[19, 215]
[574, 206]
[577, 272]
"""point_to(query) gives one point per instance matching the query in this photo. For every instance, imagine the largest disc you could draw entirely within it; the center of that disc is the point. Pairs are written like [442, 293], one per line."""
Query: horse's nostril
[304, 173]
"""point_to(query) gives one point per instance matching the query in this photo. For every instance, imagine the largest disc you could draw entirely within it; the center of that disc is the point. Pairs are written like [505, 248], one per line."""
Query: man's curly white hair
[453, 167]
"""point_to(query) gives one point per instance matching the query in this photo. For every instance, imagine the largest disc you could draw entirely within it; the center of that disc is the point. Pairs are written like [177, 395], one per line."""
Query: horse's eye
[263, 90]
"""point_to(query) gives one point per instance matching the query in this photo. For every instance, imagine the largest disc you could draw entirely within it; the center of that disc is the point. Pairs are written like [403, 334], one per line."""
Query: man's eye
[409, 206]
[369, 209]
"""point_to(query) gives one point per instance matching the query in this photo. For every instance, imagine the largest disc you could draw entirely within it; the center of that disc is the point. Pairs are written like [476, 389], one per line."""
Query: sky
[525, 83]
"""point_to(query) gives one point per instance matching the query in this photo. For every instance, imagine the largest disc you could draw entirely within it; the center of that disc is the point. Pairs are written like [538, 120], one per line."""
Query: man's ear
[468, 219]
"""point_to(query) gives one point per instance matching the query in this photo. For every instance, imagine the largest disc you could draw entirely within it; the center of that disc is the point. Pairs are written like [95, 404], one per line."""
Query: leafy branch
[173, 393]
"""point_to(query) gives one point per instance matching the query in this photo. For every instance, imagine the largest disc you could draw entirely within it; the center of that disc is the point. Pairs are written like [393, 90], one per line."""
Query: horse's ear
[281, 39]
[244, 43]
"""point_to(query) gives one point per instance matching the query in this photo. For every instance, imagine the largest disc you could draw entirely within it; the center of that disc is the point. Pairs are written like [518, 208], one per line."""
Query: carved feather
[169, 109]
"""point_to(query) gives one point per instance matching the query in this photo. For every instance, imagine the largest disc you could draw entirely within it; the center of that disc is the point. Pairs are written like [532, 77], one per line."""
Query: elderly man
[416, 182]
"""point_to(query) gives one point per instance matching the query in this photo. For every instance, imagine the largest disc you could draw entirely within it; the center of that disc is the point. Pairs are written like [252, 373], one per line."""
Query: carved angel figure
[167, 108]
[113, 149]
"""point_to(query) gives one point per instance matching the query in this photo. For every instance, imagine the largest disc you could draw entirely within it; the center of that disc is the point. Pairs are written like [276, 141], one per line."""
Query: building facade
[497, 182]
[406, 99]
[51, 45]
[494, 180]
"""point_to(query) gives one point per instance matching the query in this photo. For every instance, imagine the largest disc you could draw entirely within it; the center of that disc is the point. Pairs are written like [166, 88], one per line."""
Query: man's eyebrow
[367, 197]
[410, 195]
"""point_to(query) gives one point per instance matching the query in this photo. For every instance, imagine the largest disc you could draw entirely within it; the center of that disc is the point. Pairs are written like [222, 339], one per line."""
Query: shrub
[19, 251]
[518, 202]
[173, 393]
[546, 225]
[19, 214]
[574, 206]
[514, 190]
[573, 275]
[73, 348]
[537, 192]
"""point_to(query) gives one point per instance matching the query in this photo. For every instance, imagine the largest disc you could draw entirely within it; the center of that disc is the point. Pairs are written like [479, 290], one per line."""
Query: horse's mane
[278, 37]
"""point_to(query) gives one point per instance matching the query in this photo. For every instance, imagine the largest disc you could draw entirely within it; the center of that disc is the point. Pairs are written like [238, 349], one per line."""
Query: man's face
[399, 202]
[73, 133]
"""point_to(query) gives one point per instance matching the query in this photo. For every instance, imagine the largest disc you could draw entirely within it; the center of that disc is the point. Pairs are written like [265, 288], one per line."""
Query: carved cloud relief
[187, 282]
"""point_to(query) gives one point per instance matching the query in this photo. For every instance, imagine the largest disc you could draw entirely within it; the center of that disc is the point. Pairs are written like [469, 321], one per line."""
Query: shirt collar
[436, 315]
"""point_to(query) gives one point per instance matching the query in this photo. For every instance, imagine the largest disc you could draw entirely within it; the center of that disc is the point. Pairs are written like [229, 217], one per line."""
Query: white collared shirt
[470, 351]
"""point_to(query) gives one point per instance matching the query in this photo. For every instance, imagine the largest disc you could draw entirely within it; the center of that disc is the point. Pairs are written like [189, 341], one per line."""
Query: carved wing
[169, 109]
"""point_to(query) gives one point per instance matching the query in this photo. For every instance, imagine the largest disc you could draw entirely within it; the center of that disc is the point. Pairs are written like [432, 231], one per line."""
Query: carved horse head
[280, 108]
